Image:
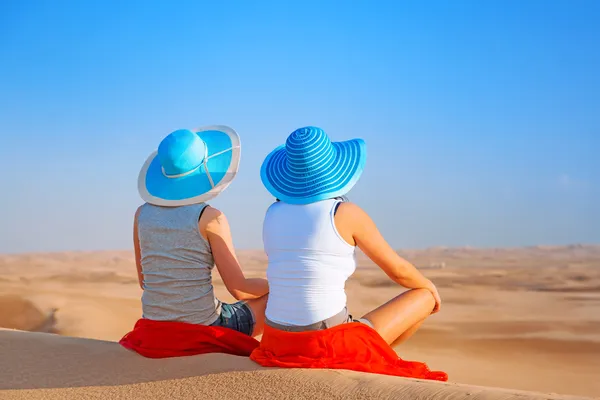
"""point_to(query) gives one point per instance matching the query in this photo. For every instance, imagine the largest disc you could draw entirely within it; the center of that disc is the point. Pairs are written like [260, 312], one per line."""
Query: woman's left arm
[136, 249]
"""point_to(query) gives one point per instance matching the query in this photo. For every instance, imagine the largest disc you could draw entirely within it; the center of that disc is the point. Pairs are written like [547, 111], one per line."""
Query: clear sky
[482, 118]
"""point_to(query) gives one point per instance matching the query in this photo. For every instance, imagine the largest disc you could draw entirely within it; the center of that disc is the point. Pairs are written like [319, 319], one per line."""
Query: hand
[436, 296]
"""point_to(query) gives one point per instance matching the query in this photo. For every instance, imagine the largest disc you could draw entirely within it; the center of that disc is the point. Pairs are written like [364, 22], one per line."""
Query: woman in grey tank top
[178, 238]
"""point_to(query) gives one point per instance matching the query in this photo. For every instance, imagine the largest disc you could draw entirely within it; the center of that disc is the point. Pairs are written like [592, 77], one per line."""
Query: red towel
[160, 339]
[352, 346]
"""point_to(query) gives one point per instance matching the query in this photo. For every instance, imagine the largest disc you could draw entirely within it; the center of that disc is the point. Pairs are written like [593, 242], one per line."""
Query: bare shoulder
[351, 219]
[212, 220]
[350, 211]
[348, 219]
[211, 214]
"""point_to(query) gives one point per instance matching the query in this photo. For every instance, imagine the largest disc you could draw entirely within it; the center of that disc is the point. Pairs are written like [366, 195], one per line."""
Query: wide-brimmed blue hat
[310, 167]
[190, 166]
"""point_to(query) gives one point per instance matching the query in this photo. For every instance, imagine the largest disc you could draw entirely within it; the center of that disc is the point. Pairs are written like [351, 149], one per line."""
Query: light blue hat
[310, 167]
[190, 166]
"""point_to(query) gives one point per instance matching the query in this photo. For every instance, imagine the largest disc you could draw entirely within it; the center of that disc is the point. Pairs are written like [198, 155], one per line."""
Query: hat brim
[350, 159]
[155, 188]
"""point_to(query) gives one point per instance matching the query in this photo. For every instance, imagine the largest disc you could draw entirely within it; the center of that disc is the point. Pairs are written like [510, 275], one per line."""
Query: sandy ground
[57, 367]
[525, 319]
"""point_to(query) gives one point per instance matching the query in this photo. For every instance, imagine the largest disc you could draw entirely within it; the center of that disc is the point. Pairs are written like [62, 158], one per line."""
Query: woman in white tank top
[310, 234]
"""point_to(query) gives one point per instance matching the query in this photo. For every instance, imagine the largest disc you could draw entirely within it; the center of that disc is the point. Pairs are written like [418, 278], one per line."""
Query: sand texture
[519, 319]
[42, 366]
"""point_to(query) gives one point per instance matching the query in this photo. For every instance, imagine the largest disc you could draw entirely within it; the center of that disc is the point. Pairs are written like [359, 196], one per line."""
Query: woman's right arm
[214, 227]
[364, 233]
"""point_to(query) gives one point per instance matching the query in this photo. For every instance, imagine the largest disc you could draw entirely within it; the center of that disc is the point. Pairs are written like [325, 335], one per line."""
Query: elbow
[240, 295]
[239, 290]
[401, 273]
[397, 276]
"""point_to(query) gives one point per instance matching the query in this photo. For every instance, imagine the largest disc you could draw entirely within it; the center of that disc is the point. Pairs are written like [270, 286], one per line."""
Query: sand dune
[54, 367]
[526, 319]
[22, 314]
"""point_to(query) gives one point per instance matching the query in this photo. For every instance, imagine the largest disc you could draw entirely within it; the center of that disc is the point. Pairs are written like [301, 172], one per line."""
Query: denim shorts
[237, 316]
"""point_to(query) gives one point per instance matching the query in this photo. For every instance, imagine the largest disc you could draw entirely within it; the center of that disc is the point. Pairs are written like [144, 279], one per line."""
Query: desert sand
[60, 368]
[520, 319]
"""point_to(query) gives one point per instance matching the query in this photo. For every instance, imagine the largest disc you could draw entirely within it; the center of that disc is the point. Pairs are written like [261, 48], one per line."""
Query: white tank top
[309, 263]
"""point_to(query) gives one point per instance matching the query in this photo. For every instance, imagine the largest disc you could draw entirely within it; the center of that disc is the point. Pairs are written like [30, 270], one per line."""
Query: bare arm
[215, 228]
[356, 226]
[136, 249]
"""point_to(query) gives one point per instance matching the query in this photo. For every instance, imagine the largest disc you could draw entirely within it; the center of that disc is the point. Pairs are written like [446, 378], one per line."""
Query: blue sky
[482, 118]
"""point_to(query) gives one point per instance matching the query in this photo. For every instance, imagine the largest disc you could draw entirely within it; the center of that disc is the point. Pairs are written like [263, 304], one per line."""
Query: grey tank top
[176, 264]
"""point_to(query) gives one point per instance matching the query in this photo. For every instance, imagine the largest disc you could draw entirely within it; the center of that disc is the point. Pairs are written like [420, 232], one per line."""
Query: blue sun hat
[310, 167]
[190, 166]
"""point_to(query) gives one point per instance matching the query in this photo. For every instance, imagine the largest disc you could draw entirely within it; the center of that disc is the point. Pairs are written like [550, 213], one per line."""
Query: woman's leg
[399, 318]
[258, 307]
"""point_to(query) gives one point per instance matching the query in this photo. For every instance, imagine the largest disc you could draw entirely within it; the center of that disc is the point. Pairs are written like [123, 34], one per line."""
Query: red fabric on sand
[352, 346]
[161, 339]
